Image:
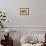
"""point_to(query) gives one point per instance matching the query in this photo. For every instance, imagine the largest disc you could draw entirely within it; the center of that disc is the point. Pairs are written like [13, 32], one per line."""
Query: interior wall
[36, 17]
[35, 21]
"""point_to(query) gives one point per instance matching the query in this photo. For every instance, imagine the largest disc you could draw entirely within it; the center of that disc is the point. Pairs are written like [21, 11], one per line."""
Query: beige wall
[36, 21]
[37, 17]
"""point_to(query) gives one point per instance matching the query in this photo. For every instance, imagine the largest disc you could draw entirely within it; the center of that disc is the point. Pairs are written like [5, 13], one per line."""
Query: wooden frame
[24, 11]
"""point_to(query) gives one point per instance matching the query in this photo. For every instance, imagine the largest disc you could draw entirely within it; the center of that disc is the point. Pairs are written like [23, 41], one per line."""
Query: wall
[37, 17]
[36, 21]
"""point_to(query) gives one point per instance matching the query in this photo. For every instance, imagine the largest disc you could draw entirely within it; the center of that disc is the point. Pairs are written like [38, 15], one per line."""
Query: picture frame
[24, 11]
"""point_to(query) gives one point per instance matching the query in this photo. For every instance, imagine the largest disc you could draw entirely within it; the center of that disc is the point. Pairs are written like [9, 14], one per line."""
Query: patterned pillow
[28, 39]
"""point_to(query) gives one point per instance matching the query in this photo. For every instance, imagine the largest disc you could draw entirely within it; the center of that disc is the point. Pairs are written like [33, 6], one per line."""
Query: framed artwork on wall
[24, 11]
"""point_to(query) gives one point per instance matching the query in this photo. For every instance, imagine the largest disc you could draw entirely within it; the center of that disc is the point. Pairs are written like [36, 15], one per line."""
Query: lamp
[7, 31]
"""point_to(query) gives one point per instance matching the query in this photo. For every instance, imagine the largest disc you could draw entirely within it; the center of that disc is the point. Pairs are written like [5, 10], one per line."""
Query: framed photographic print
[24, 11]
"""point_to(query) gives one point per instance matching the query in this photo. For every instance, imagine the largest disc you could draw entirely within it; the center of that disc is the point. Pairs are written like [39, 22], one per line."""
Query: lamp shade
[7, 30]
